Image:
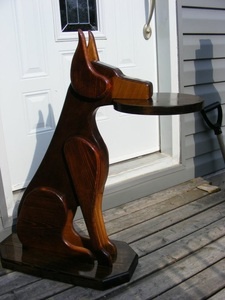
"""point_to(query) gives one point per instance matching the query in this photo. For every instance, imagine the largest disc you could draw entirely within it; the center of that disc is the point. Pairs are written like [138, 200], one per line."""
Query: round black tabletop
[160, 104]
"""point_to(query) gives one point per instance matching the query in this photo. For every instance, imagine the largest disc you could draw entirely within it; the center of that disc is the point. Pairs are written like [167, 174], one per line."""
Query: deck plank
[179, 235]
[132, 213]
[139, 216]
[165, 256]
[200, 286]
[169, 255]
[39, 290]
[161, 222]
[173, 275]
[151, 200]
[14, 280]
[175, 232]
[158, 262]
[219, 295]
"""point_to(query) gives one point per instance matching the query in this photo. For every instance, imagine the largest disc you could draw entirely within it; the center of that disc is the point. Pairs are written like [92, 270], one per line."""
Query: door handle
[147, 31]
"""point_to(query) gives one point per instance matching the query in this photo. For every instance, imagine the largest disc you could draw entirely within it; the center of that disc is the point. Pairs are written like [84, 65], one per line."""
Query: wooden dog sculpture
[75, 167]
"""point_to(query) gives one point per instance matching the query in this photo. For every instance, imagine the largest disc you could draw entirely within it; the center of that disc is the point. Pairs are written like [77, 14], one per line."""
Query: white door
[35, 58]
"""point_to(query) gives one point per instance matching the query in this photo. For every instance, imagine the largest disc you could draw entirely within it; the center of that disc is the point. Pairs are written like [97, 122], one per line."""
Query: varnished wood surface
[179, 235]
[160, 104]
[69, 269]
[75, 166]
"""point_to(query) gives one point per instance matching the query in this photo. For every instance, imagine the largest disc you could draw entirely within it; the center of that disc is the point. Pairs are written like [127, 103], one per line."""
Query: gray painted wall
[201, 25]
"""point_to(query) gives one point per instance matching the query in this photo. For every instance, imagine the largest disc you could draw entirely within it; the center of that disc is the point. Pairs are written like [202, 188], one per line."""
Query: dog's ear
[84, 79]
[92, 49]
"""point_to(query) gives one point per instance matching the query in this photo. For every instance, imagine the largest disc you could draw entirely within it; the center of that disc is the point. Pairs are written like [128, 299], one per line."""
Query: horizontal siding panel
[203, 21]
[204, 3]
[201, 143]
[203, 47]
[193, 123]
[201, 27]
[207, 71]
[205, 164]
[210, 93]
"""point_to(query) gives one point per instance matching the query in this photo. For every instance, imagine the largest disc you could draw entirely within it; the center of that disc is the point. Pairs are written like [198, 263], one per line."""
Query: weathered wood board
[179, 236]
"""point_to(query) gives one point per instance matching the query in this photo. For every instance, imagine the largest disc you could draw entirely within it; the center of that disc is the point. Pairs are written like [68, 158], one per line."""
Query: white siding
[201, 26]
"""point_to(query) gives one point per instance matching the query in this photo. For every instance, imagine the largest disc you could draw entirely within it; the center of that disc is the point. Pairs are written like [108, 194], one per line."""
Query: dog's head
[95, 80]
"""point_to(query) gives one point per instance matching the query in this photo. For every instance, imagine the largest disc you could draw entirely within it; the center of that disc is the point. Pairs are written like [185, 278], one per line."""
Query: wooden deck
[179, 236]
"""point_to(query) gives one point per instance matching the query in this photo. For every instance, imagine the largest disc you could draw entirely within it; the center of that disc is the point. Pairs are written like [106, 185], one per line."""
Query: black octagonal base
[68, 270]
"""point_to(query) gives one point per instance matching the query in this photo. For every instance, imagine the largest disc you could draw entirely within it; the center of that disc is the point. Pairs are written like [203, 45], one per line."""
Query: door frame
[170, 145]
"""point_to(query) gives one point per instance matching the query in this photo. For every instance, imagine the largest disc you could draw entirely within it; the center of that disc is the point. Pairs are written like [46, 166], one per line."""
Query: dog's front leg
[88, 166]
